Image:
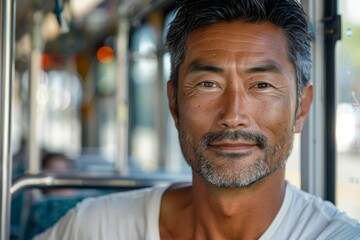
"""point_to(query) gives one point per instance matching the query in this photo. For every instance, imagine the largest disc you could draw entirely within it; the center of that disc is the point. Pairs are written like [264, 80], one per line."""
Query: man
[53, 162]
[239, 90]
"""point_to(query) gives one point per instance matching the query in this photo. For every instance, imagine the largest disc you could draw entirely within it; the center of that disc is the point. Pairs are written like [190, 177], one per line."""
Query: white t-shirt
[135, 215]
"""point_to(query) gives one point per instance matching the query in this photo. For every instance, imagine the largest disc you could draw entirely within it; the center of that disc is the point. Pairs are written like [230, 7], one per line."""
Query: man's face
[236, 112]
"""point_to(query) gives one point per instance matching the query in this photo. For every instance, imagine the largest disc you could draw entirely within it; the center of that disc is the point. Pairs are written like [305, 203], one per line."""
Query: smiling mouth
[238, 141]
[232, 147]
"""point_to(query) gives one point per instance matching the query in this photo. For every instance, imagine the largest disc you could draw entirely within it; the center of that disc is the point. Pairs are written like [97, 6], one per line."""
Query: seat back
[45, 213]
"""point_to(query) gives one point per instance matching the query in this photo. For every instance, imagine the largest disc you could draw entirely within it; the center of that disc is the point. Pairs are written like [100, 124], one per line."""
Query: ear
[172, 105]
[304, 108]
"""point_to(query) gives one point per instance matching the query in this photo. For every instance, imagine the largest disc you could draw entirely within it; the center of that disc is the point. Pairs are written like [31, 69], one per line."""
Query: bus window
[143, 76]
[60, 101]
[105, 94]
[348, 110]
[293, 171]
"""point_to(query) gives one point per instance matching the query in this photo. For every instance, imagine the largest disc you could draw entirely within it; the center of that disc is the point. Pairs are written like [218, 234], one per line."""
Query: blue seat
[45, 213]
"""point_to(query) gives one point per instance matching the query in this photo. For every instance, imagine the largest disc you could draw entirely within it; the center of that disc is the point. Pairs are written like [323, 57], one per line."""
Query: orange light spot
[46, 61]
[105, 54]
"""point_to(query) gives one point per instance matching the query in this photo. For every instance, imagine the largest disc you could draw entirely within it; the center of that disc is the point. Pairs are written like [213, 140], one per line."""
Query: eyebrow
[270, 66]
[198, 66]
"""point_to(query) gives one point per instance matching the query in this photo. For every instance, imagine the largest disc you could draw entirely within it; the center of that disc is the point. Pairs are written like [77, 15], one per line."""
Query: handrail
[7, 15]
[81, 181]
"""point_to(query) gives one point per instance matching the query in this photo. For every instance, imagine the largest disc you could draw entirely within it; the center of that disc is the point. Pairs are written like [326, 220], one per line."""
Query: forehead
[264, 40]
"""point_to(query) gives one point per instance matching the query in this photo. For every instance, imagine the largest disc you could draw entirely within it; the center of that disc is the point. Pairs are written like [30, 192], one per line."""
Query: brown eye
[208, 84]
[262, 85]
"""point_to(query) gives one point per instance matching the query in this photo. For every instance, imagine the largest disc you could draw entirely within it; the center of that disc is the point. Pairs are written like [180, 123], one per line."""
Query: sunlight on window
[348, 115]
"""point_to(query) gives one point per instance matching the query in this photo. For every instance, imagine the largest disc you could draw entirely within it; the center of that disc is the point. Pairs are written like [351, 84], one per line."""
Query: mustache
[257, 137]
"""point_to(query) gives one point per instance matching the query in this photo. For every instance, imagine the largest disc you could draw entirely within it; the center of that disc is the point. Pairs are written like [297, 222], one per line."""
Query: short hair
[287, 14]
[49, 157]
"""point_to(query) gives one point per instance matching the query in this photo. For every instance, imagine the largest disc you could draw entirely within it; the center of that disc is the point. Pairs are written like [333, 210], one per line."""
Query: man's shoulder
[319, 216]
[306, 201]
[124, 202]
[112, 216]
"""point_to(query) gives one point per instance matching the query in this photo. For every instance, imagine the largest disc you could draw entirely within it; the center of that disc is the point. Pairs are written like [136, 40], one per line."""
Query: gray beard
[226, 175]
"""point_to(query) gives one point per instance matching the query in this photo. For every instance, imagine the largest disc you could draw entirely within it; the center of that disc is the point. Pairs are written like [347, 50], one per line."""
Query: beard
[234, 170]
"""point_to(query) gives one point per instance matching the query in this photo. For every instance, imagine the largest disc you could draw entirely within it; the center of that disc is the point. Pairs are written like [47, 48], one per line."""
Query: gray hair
[287, 14]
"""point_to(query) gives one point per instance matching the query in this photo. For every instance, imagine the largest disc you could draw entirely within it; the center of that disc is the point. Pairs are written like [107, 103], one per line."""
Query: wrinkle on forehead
[238, 43]
[250, 36]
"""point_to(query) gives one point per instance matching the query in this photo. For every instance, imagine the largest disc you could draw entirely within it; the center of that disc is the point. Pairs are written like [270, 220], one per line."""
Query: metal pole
[7, 8]
[122, 91]
[332, 33]
[34, 80]
[312, 136]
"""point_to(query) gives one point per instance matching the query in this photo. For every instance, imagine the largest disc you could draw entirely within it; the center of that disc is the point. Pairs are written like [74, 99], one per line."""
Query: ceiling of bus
[89, 20]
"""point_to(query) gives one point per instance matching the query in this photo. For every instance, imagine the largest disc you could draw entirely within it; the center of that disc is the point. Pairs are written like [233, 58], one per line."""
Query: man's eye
[262, 85]
[208, 84]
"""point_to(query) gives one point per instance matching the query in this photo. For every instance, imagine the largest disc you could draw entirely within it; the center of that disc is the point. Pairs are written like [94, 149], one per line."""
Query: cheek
[194, 115]
[197, 116]
[275, 118]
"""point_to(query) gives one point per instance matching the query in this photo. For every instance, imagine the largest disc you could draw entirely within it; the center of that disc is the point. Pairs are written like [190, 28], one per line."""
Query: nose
[234, 110]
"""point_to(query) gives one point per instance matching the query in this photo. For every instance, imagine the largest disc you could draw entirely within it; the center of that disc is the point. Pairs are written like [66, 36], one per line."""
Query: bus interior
[87, 80]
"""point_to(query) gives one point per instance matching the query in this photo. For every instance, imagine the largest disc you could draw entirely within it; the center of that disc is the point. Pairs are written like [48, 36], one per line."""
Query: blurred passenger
[19, 162]
[60, 164]
[56, 163]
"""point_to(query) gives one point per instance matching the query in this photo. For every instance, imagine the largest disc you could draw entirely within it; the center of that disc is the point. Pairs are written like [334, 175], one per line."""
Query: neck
[245, 212]
[209, 212]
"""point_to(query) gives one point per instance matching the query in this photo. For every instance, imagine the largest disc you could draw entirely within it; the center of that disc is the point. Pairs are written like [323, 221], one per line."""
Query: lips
[232, 146]
[238, 140]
